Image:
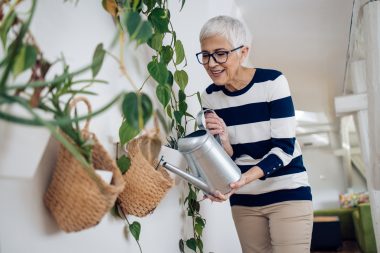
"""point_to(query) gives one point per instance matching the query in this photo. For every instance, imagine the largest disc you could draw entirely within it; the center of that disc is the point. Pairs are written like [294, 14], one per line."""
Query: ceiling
[307, 40]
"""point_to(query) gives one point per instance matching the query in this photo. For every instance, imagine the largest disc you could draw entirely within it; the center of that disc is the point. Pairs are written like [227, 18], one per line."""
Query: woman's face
[222, 73]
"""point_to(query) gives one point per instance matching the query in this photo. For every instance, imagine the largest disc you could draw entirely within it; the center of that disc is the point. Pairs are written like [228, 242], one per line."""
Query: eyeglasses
[220, 56]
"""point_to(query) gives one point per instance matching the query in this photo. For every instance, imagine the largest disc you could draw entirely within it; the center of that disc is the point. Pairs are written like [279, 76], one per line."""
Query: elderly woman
[254, 116]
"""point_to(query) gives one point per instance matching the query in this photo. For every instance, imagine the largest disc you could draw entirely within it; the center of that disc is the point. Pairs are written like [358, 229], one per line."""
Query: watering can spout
[192, 179]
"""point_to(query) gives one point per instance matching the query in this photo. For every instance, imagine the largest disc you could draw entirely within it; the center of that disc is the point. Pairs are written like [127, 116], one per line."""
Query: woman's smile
[216, 72]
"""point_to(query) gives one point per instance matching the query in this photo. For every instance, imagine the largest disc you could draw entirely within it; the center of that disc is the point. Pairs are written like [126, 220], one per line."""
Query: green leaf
[135, 229]
[181, 95]
[97, 59]
[155, 41]
[179, 52]
[132, 22]
[200, 221]
[166, 54]
[181, 78]
[5, 26]
[144, 33]
[169, 111]
[160, 19]
[191, 244]
[178, 116]
[149, 4]
[25, 59]
[183, 3]
[138, 29]
[181, 130]
[147, 107]
[169, 81]
[163, 93]
[158, 71]
[189, 115]
[123, 163]
[192, 194]
[182, 107]
[181, 246]
[136, 4]
[130, 110]
[126, 132]
[199, 98]
[198, 229]
[200, 244]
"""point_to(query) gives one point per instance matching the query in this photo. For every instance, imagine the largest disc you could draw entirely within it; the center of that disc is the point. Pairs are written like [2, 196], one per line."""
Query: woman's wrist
[253, 173]
[227, 147]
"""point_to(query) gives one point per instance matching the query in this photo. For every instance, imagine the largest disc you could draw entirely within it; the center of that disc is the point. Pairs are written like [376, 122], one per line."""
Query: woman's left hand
[219, 197]
[252, 174]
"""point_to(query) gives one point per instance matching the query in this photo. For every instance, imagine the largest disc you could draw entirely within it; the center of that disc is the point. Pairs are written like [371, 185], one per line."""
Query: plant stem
[144, 83]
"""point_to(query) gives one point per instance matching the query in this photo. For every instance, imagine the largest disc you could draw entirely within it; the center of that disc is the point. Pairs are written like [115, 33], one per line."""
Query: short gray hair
[228, 27]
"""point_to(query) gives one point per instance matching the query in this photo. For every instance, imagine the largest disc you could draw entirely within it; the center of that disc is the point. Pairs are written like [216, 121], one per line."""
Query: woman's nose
[212, 62]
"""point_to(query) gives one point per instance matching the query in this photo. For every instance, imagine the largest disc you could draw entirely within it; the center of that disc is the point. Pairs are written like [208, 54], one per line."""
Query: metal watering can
[212, 168]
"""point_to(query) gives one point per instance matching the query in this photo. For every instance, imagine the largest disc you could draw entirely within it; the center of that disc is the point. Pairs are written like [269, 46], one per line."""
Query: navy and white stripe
[261, 125]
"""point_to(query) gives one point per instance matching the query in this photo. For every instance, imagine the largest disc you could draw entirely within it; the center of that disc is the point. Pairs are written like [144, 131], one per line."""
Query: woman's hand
[219, 197]
[247, 177]
[216, 125]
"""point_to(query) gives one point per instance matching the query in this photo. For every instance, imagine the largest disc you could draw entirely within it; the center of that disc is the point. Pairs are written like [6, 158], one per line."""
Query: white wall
[25, 224]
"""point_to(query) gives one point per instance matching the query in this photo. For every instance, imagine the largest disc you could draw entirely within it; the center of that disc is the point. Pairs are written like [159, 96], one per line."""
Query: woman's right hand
[216, 125]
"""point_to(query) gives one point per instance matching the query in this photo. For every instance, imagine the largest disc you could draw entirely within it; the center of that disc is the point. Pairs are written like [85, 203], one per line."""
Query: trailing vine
[148, 22]
[144, 22]
[22, 55]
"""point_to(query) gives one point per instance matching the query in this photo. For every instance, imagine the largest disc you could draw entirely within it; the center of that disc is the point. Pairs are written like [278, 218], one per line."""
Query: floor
[347, 247]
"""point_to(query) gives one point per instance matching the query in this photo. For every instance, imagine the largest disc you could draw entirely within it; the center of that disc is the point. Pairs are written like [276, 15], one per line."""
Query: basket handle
[73, 104]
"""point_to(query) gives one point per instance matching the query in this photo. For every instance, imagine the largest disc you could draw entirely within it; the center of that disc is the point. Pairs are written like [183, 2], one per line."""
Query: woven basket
[145, 185]
[76, 200]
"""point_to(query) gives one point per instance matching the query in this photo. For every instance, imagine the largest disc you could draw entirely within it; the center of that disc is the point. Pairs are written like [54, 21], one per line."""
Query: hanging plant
[148, 22]
[22, 55]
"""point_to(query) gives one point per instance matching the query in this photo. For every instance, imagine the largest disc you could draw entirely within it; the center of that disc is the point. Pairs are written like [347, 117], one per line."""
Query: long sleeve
[282, 127]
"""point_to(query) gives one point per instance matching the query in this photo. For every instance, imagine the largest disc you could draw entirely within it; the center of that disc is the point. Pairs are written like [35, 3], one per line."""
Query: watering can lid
[192, 141]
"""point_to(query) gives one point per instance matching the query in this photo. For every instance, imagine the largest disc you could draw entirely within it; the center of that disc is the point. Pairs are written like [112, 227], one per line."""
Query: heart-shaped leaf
[147, 107]
[155, 41]
[179, 52]
[149, 4]
[135, 229]
[191, 244]
[163, 92]
[130, 110]
[160, 19]
[158, 71]
[181, 78]
[127, 132]
[166, 54]
[123, 163]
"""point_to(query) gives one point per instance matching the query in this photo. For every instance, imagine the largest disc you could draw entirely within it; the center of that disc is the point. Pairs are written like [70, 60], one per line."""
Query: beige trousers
[283, 227]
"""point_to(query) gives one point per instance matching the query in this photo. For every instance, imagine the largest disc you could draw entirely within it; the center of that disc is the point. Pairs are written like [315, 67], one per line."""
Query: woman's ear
[244, 53]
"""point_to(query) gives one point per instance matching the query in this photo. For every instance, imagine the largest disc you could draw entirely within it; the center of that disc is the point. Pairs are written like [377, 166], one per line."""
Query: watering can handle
[201, 126]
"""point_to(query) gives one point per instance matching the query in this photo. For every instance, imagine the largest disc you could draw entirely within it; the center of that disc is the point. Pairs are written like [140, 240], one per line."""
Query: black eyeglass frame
[213, 57]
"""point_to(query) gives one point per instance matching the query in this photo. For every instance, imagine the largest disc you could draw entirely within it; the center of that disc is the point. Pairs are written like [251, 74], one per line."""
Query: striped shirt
[261, 125]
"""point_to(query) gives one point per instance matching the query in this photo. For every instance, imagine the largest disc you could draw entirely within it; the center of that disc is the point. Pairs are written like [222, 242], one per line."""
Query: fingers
[215, 123]
[236, 185]
[218, 196]
[212, 198]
